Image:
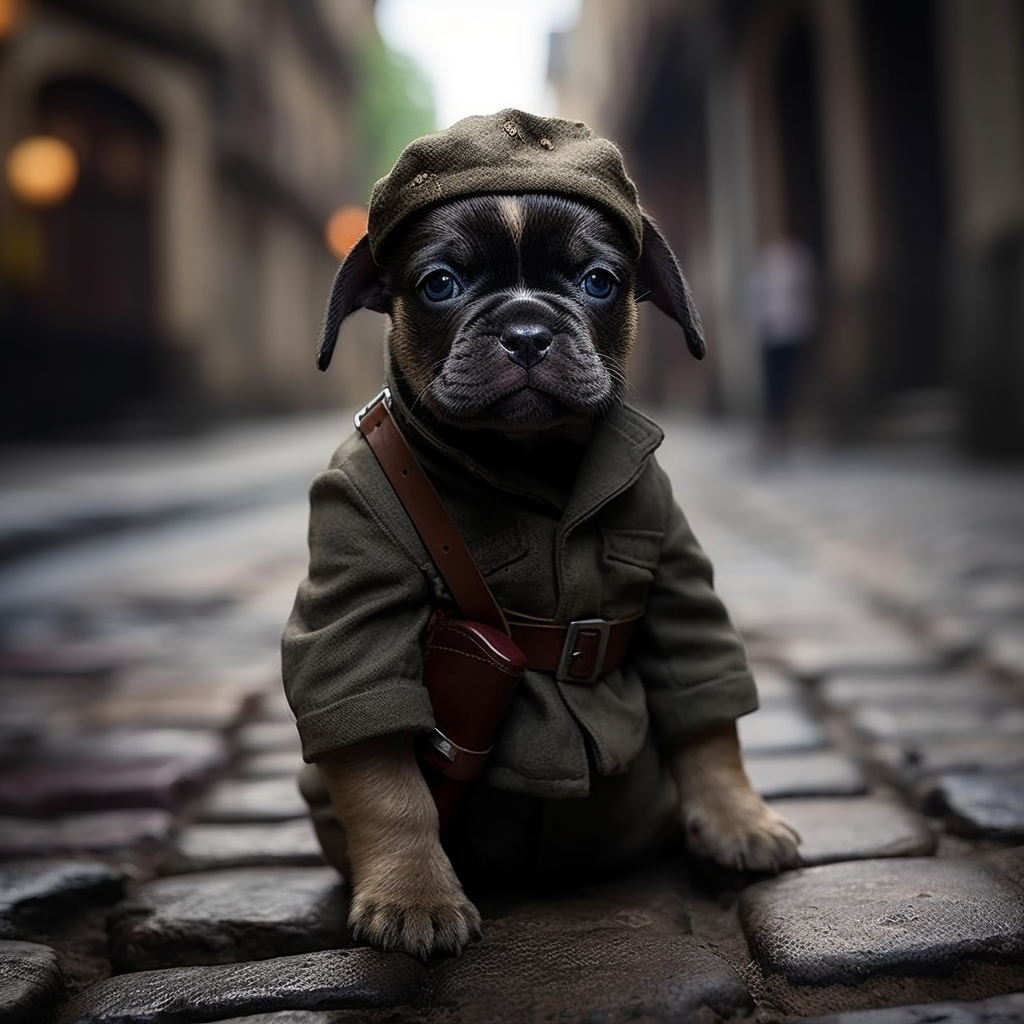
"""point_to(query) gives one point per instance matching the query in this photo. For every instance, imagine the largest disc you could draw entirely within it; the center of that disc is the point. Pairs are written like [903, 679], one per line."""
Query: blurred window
[99, 244]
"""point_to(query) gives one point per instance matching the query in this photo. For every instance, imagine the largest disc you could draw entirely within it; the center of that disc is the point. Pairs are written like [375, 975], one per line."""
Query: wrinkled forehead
[530, 227]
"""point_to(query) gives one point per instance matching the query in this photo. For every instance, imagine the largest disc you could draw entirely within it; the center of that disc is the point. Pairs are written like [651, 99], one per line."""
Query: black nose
[526, 344]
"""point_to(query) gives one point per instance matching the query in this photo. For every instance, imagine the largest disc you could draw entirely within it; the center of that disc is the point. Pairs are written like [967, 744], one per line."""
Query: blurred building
[887, 136]
[185, 273]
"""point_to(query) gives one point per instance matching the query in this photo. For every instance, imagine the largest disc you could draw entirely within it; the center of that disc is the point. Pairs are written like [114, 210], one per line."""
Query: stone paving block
[780, 727]
[38, 709]
[274, 707]
[254, 800]
[980, 804]
[31, 984]
[278, 763]
[1009, 862]
[769, 631]
[18, 739]
[956, 636]
[610, 975]
[997, 1010]
[273, 844]
[813, 659]
[910, 760]
[228, 917]
[1005, 652]
[34, 893]
[183, 697]
[204, 750]
[171, 708]
[611, 953]
[814, 773]
[842, 923]
[111, 833]
[62, 787]
[899, 721]
[905, 690]
[773, 686]
[995, 596]
[264, 737]
[306, 1017]
[330, 979]
[245, 678]
[67, 660]
[856, 828]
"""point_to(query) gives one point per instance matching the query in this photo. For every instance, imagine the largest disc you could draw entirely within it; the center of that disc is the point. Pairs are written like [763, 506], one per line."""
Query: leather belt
[578, 652]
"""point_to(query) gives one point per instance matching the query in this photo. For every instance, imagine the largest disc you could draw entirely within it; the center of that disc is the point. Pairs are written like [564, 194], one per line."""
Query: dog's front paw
[419, 912]
[740, 831]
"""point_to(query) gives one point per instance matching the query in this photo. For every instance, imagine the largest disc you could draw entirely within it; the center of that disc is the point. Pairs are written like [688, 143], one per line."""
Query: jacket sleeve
[689, 655]
[351, 655]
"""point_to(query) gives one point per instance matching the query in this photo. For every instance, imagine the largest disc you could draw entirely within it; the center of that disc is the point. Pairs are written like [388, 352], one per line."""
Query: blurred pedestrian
[782, 307]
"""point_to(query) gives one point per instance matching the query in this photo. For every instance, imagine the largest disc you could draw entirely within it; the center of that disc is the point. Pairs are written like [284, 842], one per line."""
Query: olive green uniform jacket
[613, 545]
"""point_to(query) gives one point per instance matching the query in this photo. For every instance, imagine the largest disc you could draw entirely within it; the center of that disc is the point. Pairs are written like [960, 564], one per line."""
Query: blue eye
[598, 283]
[439, 286]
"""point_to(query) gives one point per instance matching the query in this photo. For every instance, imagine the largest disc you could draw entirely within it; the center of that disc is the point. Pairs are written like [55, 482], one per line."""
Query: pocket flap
[497, 550]
[641, 548]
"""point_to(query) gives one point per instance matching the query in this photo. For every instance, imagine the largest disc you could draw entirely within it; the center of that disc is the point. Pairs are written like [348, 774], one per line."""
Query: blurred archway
[84, 322]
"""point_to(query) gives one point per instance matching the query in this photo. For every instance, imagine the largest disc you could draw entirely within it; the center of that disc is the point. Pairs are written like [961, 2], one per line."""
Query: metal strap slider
[384, 395]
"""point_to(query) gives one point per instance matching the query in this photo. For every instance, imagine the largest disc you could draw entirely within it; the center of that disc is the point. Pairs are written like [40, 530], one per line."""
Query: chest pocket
[498, 551]
[629, 559]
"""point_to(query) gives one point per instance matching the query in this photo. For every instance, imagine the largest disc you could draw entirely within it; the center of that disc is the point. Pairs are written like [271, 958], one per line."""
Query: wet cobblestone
[228, 916]
[814, 773]
[33, 987]
[34, 893]
[156, 864]
[202, 847]
[845, 922]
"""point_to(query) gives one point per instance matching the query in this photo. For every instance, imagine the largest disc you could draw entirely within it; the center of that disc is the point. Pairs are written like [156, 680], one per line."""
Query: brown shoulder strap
[428, 514]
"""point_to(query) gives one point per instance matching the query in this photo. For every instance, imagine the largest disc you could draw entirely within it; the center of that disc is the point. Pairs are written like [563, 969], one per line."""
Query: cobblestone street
[156, 865]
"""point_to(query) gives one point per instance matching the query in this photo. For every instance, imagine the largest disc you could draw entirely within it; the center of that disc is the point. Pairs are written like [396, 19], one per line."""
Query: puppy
[512, 317]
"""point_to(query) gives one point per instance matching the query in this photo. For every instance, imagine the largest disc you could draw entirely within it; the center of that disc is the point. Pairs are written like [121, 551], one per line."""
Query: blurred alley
[843, 181]
[149, 758]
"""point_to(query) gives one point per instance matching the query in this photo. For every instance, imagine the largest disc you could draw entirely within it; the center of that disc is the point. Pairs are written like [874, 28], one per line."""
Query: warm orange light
[42, 170]
[344, 228]
[12, 14]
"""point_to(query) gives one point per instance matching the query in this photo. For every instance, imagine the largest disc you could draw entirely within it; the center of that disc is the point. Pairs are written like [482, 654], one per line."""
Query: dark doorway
[666, 144]
[796, 100]
[83, 346]
[900, 59]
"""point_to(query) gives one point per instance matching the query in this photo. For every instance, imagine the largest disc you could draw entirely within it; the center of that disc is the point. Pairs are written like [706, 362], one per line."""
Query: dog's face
[513, 313]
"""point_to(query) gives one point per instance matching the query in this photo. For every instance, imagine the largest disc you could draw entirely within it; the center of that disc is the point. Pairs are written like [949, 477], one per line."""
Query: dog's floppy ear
[358, 284]
[660, 280]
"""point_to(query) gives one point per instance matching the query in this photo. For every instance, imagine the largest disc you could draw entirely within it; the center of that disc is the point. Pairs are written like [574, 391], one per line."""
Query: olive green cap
[508, 152]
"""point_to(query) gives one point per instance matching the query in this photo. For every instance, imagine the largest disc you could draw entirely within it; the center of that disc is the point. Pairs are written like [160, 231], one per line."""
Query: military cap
[508, 152]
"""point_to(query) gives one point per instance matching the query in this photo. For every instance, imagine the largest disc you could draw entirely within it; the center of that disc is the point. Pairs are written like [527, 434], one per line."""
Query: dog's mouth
[520, 404]
[528, 410]
[488, 390]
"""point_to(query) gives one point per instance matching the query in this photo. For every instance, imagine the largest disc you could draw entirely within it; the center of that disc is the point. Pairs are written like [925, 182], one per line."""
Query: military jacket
[613, 545]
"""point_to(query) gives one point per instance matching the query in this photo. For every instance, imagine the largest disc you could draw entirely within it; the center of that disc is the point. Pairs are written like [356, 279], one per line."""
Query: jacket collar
[622, 442]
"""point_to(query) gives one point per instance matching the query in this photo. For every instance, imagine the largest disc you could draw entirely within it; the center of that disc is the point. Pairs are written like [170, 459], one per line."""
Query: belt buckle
[600, 626]
[384, 395]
